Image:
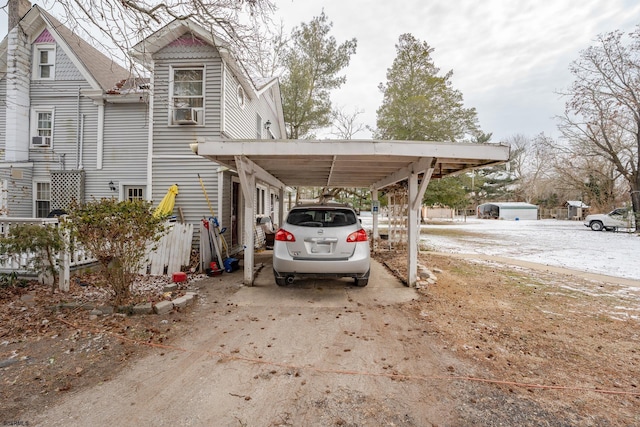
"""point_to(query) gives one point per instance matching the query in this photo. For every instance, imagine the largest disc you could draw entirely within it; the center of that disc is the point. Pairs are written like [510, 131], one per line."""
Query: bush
[45, 242]
[117, 234]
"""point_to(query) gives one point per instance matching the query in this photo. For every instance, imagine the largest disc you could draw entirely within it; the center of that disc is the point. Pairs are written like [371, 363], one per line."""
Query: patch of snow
[558, 243]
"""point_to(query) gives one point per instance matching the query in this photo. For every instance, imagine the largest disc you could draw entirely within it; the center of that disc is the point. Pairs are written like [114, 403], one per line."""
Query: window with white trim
[42, 199]
[42, 126]
[132, 193]
[260, 201]
[44, 62]
[241, 96]
[187, 96]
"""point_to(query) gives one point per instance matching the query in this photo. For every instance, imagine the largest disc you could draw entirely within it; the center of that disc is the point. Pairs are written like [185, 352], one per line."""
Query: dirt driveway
[324, 353]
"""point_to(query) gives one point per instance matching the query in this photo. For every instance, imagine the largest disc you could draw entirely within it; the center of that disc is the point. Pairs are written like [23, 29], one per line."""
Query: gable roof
[100, 71]
[145, 49]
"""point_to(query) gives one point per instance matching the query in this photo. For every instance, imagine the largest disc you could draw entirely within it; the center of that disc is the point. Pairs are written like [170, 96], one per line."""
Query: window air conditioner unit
[41, 141]
[185, 116]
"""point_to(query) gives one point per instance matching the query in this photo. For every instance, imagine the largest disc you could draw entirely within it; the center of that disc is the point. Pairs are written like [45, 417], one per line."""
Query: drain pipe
[78, 127]
[81, 148]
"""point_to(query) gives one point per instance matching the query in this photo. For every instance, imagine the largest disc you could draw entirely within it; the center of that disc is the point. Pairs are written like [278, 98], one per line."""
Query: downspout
[150, 108]
[78, 127]
[223, 97]
[100, 142]
[81, 154]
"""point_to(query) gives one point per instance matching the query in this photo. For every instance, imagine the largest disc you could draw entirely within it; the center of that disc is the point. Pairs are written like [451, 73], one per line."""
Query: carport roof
[352, 163]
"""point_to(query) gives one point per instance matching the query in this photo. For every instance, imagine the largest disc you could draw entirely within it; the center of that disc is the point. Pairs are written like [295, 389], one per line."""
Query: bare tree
[345, 125]
[529, 166]
[119, 24]
[602, 114]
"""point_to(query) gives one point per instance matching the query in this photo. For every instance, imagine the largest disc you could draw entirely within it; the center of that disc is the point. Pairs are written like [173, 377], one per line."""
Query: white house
[74, 124]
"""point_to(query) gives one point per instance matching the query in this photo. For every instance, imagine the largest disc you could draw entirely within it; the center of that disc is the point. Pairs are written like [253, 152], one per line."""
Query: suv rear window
[313, 217]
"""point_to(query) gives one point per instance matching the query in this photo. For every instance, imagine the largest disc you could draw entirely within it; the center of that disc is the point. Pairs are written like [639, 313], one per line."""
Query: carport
[373, 164]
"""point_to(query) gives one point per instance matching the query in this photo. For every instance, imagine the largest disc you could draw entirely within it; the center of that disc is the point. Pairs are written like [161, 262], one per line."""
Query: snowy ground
[567, 244]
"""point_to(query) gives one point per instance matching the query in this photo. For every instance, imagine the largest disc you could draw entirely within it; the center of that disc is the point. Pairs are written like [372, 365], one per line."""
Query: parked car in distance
[617, 218]
[321, 240]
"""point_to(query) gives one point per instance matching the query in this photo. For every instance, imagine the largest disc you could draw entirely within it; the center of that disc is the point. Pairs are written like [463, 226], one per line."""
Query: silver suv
[321, 240]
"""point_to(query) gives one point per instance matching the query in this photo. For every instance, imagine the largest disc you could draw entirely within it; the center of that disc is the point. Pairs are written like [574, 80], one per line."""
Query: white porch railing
[19, 263]
[172, 252]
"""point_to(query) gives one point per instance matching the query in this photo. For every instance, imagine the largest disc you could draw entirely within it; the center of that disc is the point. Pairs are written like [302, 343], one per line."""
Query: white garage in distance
[513, 211]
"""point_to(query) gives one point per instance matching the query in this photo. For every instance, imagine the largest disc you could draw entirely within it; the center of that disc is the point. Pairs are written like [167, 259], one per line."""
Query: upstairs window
[241, 96]
[42, 127]
[44, 62]
[187, 96]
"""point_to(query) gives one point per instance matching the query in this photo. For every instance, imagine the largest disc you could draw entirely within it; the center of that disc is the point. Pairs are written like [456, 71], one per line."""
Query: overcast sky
[509, 58]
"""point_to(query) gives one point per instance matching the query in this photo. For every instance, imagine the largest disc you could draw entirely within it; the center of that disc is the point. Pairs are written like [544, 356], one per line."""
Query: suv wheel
[280, 281]
[362, 282]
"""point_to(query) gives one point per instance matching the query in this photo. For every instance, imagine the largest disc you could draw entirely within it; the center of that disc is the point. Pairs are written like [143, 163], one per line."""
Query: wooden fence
[169, 255]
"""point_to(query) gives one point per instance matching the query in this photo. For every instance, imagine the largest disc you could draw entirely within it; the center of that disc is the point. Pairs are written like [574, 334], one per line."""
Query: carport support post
[280, 206]
[248, 184]
[413, 231]
[374, 197]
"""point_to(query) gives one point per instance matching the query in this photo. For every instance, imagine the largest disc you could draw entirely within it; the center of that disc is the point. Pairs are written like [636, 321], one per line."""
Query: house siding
[65, 68]
[191, 198]
[63, 154]
[19, 197]
[125, 149]
[240, 121]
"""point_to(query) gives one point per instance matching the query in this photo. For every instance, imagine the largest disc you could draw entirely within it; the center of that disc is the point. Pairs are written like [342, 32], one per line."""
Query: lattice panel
[66, 186]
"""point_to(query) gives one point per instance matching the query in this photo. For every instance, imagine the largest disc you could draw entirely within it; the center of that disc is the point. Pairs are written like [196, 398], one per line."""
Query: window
[134, 193]
[44, 62]
[187, 96]
[42, 199]
[260, 199]
[241, 96]
[42, 126]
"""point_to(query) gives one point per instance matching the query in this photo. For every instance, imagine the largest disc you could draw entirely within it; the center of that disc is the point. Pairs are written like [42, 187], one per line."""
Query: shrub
[117, 234]
[45, 242]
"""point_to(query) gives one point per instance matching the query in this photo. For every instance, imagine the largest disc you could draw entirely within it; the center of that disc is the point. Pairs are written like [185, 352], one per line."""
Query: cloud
[509, 58]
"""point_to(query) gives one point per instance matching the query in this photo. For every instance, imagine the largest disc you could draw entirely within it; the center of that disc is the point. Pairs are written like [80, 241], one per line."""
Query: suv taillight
[357, 236]
[284, 236]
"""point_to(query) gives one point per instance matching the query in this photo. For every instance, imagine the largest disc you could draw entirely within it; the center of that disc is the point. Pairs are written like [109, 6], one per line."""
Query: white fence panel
[172, 252]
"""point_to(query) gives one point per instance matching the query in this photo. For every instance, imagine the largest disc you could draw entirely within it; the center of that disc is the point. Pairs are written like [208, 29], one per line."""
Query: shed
[575, 209]
[508, 210]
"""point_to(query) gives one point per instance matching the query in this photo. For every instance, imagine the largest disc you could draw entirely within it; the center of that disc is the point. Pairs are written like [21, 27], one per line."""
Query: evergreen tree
[420, 105]
[312, 63]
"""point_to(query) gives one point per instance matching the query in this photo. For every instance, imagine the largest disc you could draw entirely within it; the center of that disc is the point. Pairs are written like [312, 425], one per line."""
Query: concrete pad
[383, 288]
